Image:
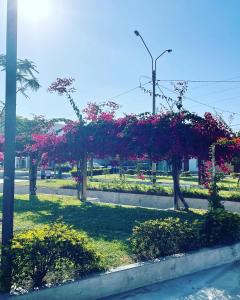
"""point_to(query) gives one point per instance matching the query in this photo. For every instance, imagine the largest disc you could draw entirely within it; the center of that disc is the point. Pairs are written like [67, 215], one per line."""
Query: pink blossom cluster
[62, 86]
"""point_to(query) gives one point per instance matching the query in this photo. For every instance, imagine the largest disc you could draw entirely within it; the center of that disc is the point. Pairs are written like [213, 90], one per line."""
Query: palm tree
[26, 71]
[26, 79]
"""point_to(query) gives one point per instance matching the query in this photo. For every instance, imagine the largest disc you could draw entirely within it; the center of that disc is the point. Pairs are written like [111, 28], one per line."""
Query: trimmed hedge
[188, 192]
[221, 228]
[158, 238]
[158, 190]
[145, 189]
[51, 249]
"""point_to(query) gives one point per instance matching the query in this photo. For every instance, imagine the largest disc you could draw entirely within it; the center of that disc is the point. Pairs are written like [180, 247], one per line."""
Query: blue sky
[93, 42]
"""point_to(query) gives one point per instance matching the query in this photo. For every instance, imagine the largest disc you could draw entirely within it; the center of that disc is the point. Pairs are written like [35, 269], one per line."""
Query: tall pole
[154, 74]
[154, 91]
[9, 146]
[154, 164]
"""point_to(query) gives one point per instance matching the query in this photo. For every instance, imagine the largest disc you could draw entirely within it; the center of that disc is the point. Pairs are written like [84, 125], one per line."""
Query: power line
[175, 80]
[130, 90]
[213, 92]
[210, 84]
[188, 98]
[199, 81]
[202, 103]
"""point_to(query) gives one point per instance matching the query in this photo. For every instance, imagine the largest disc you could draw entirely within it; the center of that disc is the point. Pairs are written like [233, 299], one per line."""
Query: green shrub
[221, 227]
[157, 238]
[38, 252]
[63, 168]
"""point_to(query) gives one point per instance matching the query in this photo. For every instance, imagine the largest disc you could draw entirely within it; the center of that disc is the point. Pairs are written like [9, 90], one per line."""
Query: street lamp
[154, 68]
[154, 71]
[9, 146]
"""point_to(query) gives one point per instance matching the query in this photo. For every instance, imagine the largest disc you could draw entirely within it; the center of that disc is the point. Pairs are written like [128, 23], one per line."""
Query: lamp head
[169, 50]
[136, 32]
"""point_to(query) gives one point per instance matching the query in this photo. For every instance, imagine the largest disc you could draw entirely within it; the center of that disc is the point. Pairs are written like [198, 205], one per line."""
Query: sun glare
[34, 10]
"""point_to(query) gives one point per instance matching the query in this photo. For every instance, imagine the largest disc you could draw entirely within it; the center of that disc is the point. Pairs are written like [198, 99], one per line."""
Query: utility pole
[154, 165]
[9, 146]
[154, 91]
[154, 74]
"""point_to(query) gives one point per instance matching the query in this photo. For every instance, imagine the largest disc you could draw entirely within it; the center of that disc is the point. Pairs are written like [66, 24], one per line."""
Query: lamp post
[9, 146]
[154, 72]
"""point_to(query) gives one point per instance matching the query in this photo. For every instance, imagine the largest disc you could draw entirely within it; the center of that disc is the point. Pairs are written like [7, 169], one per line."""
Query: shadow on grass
[108, 222]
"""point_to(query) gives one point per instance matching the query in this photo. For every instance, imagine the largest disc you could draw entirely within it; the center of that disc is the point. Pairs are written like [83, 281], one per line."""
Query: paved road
[220, 283]
[24, 189]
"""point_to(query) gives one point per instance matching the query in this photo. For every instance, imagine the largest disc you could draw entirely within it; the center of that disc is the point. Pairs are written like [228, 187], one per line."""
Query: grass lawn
[108, 225]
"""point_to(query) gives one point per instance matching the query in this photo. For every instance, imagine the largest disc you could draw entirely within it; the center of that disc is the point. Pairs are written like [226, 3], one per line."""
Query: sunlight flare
[35, 10]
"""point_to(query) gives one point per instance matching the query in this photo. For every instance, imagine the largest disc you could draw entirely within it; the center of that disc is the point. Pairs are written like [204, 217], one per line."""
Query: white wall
[193, 165]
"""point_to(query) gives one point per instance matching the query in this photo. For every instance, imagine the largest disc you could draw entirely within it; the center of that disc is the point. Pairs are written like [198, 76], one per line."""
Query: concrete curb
[139, 275]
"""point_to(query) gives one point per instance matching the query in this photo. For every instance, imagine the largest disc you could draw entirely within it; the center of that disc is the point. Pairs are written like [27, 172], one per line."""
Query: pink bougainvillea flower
[62, 86]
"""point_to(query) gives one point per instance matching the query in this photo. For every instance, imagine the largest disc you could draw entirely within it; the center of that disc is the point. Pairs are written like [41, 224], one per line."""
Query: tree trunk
[121, 173]
[84, 178]
[176, 166]
[91, 167]
[154, 173]
[175, 183]
[186, 206]
[200, 171]
[185, 164]
[59, 172]
[79, 175]
[32, 176]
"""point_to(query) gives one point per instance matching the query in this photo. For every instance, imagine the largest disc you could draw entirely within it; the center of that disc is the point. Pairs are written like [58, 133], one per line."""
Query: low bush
[221, 227]
[40, 252]
[63, 168]
[157, 238]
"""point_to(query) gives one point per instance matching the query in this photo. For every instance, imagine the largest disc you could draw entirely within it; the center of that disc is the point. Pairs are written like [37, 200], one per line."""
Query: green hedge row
[158, 238]
[188, 192]
[57, 252]
[123, 187]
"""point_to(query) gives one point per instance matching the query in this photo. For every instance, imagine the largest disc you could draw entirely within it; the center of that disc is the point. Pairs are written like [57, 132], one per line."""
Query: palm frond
[26, 78]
